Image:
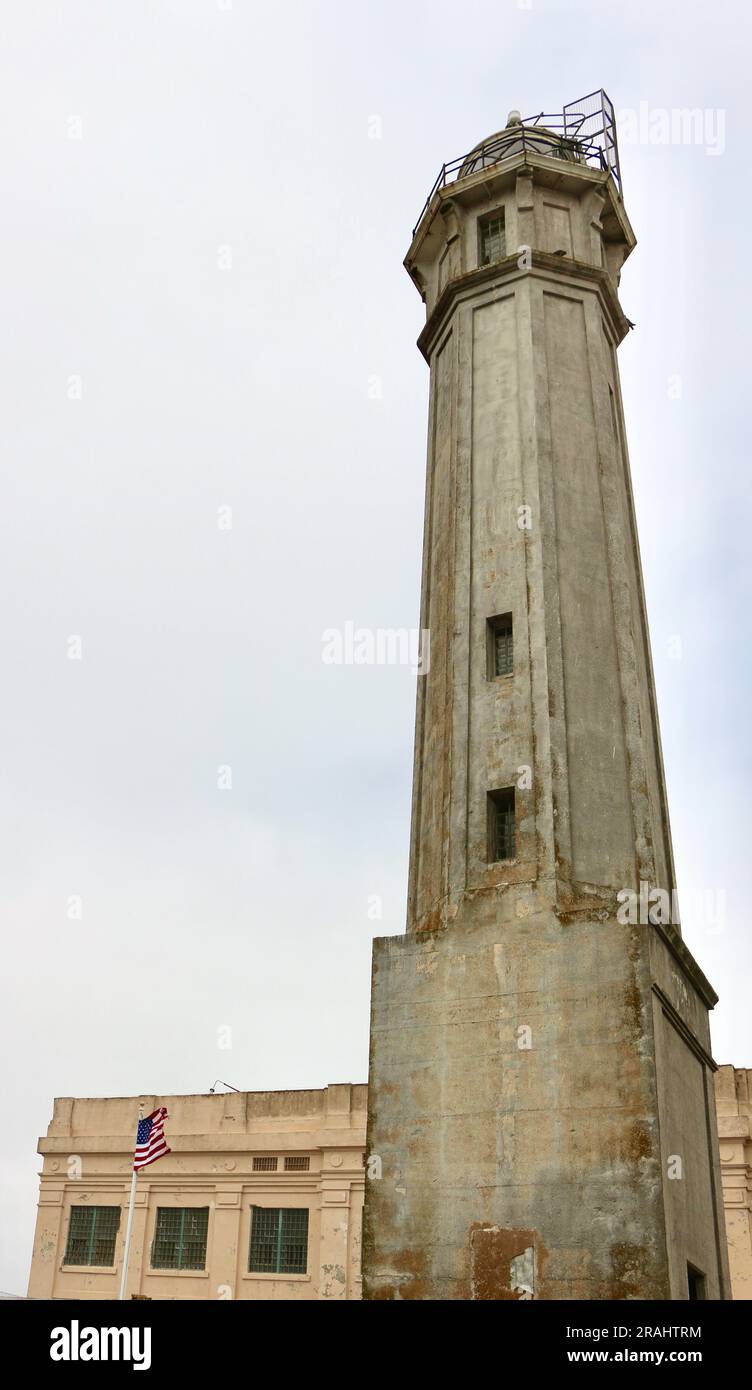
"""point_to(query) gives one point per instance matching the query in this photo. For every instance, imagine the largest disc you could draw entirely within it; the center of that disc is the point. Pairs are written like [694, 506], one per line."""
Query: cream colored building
[261, 1197]
[733, 1093]
[252, 1157]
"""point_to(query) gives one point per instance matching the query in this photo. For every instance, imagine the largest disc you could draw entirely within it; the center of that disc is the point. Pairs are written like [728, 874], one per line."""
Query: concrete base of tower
[541, 1118]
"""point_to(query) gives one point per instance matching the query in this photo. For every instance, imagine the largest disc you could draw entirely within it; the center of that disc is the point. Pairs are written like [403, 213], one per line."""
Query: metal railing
[584, 132]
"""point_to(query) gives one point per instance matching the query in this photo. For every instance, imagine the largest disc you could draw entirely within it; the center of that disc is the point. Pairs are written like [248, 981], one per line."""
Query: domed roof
[515, 138]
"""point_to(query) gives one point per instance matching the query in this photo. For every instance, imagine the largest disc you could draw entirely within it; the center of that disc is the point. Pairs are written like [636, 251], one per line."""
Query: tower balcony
[583, 132]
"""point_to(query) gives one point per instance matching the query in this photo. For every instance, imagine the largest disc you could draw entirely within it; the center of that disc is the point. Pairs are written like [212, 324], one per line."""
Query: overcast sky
[202, 240]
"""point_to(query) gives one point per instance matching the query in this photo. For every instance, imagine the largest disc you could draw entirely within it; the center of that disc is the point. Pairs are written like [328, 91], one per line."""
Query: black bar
[213, 1338]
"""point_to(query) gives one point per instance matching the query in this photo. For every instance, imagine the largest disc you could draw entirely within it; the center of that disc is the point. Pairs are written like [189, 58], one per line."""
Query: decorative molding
[681, 1028]
[508, 271]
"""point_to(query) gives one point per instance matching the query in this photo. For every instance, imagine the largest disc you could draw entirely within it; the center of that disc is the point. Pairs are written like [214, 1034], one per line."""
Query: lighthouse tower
[541, 1085]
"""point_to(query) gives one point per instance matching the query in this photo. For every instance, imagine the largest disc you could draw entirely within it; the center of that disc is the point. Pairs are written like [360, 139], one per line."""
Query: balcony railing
[583, 133]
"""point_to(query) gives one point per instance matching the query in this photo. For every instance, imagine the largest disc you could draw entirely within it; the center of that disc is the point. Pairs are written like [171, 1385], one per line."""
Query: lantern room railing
[584, 132]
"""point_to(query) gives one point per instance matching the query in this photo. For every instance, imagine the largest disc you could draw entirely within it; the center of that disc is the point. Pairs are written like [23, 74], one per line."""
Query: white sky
[206, 127]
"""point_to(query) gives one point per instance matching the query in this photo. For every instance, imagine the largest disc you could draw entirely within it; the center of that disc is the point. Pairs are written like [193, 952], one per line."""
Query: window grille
[501, 646]
[297, 1163]
[91, 1235]
[180, 1238]
[492, 239]
[501, 825]
[265, 1165]
[279, 1240]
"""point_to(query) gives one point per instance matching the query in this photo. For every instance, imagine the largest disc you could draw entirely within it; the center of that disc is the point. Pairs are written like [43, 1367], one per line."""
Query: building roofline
[191, 1095]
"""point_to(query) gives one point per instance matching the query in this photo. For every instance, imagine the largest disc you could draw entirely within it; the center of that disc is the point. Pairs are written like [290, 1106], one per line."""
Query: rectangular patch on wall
[558, 229]
[503, 1264]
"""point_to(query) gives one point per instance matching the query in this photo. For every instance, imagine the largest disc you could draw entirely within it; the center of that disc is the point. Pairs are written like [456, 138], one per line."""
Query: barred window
[279, 1240]
[492, 238]
[501, 826]
[91, 1236]
[500, 646]
[264, 1165]
[297, 1163]
[180, 1238]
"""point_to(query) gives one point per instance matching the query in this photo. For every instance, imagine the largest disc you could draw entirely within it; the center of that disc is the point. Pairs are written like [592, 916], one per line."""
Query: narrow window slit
[500, 646]
[501, 825]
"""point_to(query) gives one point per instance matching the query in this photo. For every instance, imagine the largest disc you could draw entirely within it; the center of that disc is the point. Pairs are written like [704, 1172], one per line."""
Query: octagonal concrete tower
[541, 1095]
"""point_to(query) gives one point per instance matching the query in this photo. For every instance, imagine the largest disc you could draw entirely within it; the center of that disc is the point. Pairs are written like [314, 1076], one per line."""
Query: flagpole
[129, 1226]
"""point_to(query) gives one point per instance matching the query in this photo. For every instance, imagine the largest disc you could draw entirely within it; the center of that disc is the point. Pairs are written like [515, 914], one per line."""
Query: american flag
[150, 1139]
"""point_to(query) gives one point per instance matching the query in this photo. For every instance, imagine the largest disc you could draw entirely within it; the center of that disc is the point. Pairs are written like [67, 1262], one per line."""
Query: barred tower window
[492, 238]
[501, 825]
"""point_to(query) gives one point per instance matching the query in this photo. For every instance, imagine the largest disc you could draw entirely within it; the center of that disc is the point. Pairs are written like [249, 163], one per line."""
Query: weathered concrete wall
[558, 1147]
[525, 411]
[733, 1088]
[494, 1103]
[88, 1156]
